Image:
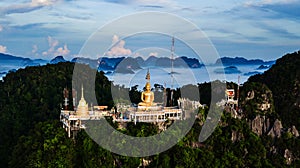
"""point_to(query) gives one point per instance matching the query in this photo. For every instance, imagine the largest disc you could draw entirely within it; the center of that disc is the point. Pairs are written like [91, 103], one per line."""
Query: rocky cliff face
[288, 155]
[258, 108]
[270, 104]
[283, 79]
[257, 105]
[260, 125]
[257, 99]
[294, 131]
[276, 130]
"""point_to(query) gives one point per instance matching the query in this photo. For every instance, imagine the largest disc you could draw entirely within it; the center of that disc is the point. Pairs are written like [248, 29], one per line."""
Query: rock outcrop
[276, 130]
[294, 131]
[288, 155]
[265, 101]
[250, 95]
[260, 125]
[236, 136]
[197, 145]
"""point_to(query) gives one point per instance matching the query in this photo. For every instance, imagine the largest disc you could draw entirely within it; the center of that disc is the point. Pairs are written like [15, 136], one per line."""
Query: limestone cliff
[276, 130]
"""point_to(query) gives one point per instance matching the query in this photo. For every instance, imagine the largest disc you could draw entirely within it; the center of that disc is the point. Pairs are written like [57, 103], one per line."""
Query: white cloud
[143, 2]
[2, 49]
[42, 2]
[62, 51]
[119, 48]
[153, 54]
[52, 44]
[1, 28]
[26, 7]
[157, 4]
[53, 50]
[154, 1]
[267, 2]
[34, 48]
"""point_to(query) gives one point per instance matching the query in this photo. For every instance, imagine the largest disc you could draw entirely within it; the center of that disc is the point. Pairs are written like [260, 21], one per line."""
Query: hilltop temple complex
[146, 111]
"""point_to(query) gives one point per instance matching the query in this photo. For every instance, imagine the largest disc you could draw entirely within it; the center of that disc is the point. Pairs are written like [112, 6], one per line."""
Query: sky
[254, 29]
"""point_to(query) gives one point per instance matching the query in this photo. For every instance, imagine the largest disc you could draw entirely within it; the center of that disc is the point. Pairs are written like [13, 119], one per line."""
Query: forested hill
[32, 136]
[33, 95]
[283, 79]
[29, 96]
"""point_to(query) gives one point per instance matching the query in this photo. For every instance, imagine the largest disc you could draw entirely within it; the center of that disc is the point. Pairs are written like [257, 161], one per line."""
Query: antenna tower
[238, 94]
[172, 71]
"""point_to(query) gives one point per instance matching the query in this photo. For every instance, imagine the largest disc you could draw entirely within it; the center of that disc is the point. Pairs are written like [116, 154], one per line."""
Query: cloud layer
[268, 2]
[2, 49]
[26, 7]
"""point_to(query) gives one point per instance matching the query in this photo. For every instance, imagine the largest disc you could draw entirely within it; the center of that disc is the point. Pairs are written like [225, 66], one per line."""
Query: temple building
[146, 111]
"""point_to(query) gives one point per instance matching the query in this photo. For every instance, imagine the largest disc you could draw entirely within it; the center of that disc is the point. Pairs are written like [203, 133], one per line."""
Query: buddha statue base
[154, 107]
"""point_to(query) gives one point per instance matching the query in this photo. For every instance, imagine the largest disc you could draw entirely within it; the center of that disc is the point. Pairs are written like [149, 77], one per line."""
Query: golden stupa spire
[82, 108]
[148, 76]
[82, 92]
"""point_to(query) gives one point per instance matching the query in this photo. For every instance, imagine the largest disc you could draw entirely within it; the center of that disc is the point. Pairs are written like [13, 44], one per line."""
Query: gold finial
[148, 75]
[82, 91]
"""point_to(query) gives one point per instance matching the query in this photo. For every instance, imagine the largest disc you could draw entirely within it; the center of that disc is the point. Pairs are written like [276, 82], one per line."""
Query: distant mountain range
[228, 70]
[12, 63]
[227, 61]
[8, 60]
[128, 64]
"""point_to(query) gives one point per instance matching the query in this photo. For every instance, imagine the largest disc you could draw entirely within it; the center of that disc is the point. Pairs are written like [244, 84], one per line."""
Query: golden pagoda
[83, 107]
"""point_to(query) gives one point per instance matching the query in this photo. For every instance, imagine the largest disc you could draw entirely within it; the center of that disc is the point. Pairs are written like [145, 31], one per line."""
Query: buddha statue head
[147, 87]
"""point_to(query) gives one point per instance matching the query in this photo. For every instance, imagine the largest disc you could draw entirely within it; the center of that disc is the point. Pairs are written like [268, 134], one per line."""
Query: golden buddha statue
[147, 96]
